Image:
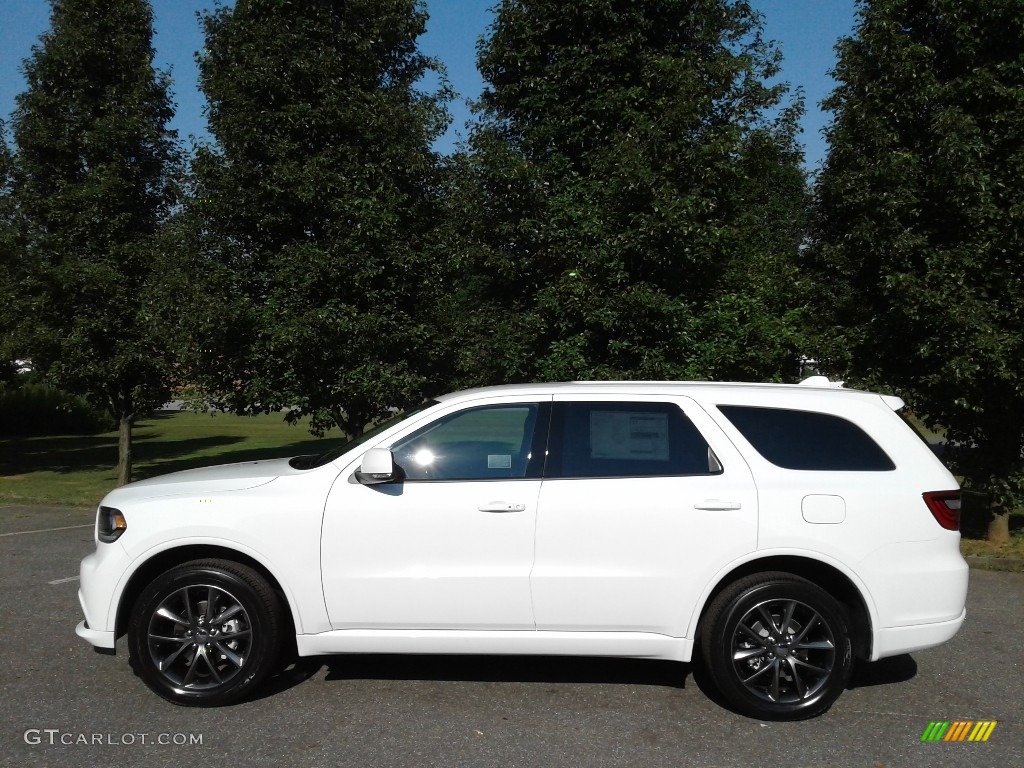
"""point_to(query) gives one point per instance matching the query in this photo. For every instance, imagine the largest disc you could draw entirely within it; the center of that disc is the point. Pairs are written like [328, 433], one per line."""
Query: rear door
[643, 500]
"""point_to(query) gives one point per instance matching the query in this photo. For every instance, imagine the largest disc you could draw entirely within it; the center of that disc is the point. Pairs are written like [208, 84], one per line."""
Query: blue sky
[806, 30]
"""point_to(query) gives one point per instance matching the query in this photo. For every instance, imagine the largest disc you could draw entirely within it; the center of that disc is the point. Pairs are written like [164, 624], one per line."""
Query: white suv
[772, 533]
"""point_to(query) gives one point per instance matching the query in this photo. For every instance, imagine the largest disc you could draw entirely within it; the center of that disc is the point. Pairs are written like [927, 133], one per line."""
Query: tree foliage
[93, 179]
[920, 214]
[8, 258]
[631, 179]
[313, 207]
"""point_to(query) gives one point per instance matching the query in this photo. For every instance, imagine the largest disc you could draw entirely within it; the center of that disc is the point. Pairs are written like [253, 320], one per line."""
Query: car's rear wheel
[205, 633]
[777, 647]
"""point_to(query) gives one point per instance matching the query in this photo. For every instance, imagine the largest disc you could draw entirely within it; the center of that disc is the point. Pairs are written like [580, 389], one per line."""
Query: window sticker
[629, 435]
[499, 461]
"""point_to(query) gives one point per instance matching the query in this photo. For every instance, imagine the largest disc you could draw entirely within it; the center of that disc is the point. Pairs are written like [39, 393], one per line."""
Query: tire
[777, 647]
[205, 633]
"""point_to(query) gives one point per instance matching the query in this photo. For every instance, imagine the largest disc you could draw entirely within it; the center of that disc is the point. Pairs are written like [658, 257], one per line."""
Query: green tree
[610, 211]
[8, 258]
[94, 173]
[314, 206]
[918, 229]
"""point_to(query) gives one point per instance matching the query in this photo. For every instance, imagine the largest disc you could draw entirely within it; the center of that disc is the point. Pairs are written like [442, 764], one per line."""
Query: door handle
[501, 506]
[717, 505]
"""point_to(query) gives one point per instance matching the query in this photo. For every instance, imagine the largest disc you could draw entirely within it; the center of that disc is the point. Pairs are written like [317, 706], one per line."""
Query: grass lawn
[983, 548]
[974, 521]
[76, 470]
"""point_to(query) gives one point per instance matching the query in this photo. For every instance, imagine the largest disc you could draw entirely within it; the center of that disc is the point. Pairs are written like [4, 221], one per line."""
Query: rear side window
[617, 439]
[808, 440]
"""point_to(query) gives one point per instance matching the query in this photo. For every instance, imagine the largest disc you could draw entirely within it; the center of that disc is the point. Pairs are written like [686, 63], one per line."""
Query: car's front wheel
[205, 633]
[777, 647]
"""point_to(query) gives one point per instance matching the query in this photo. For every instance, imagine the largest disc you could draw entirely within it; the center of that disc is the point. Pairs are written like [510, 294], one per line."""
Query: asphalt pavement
[64, 705]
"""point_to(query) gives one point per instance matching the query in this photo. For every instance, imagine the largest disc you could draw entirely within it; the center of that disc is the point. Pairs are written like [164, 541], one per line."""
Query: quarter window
[616, 439]
[808, 440]
[487, 443]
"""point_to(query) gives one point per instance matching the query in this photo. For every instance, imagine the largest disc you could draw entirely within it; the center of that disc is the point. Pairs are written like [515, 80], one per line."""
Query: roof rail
[821, 381]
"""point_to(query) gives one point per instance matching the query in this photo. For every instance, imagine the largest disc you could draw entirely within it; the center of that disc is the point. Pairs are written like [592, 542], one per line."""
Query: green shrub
[39, 409]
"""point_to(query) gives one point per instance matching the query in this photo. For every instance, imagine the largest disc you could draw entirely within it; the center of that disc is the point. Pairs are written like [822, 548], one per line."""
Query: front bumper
[101, 576]
[97, 638]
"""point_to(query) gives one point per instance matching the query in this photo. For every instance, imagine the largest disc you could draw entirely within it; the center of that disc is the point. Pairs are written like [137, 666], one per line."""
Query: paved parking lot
[64, 705]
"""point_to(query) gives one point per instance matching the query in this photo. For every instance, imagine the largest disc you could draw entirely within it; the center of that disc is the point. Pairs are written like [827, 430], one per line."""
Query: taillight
[945, 508]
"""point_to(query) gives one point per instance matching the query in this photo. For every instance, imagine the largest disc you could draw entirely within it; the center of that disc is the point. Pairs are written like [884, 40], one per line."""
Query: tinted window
[491, 442]
[626, 440]
[807, 440]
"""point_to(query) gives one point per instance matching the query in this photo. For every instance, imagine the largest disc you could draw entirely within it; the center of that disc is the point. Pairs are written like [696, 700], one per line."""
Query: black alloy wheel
[777, 647]
[205, 633]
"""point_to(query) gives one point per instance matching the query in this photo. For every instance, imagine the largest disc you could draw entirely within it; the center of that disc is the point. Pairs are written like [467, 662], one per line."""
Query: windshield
[314, 461]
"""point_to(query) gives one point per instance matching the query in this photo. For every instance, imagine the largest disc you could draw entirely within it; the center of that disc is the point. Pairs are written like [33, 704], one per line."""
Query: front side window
[486, 443]
[620, 439]
[808, 440]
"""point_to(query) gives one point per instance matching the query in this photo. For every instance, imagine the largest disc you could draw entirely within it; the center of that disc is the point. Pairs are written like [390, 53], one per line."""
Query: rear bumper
[893, 641]
[918, 588]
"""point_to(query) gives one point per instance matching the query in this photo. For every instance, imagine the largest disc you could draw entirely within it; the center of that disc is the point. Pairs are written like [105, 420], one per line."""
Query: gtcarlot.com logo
[56, 737]
[958, 730]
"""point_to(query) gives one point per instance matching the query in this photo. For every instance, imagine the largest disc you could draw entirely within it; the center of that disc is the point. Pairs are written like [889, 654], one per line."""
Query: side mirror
[378, 466]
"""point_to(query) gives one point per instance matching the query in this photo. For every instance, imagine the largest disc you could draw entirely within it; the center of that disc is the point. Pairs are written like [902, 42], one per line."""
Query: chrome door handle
[717, 504]
[501, 506]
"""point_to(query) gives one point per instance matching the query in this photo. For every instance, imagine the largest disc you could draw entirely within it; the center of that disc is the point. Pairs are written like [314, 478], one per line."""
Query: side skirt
[632, 645]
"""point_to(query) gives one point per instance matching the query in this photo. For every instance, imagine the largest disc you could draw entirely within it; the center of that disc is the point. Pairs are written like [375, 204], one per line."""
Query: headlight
[110, 524]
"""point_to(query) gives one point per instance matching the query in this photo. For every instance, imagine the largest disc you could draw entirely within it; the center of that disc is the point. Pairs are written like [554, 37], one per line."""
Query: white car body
[609, 566]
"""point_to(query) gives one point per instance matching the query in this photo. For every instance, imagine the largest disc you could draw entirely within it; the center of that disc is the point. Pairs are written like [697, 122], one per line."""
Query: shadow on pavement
[896, 669]
[496, 669]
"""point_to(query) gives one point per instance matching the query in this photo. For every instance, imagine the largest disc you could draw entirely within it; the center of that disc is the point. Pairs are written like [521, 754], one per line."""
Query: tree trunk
[355, 429]
[999, 528]
[350, 425]
[124, 449]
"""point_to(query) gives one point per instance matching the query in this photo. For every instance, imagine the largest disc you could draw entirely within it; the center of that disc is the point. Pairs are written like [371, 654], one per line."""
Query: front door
[451, 546]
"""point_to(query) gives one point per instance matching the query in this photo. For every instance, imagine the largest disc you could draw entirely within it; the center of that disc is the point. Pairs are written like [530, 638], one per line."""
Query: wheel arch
[169, 558]
[824, 575]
